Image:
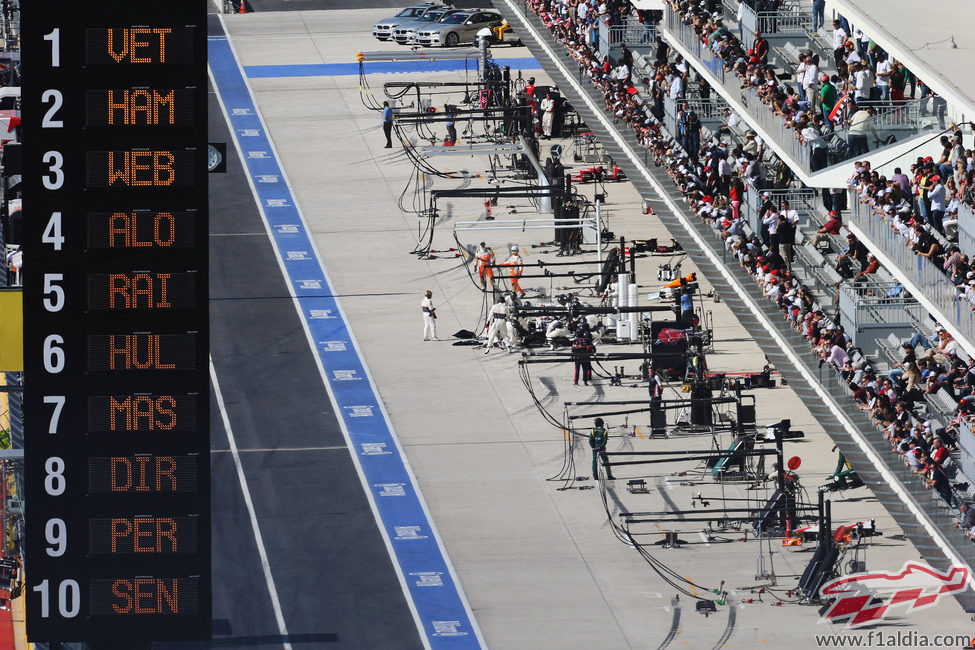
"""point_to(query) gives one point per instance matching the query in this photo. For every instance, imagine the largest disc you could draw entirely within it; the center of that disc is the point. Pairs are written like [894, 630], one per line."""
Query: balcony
[922, 278]
[636, 36]
[870, 311]
[906, 123]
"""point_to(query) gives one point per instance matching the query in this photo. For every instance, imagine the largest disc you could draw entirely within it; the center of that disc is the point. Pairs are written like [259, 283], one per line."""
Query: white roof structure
[938, 48]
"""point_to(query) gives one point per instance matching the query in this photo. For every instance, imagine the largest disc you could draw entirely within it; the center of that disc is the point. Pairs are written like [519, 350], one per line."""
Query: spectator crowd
[712, 175]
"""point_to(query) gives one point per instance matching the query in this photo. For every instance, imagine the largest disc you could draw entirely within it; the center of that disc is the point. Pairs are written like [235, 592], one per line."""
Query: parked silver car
[405, 33]
[383, 30]
[459, 28]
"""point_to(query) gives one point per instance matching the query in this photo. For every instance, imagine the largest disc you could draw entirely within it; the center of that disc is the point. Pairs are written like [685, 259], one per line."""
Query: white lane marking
[889, 479]
[255, 526]
[270, 449]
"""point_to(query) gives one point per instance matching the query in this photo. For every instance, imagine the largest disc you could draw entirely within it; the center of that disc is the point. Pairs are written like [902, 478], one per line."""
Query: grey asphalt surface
[334, 578]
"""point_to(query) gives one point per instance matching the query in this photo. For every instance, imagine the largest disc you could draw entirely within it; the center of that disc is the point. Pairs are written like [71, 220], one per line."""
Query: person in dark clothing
[692, 133]
[662, 50]
[388, 124]
[855, 250]
[938, 480]
[582, 351]
[451, 127]
[926, 246]
[626, 56]
[761, 48]
[598, 438]
[787, 238]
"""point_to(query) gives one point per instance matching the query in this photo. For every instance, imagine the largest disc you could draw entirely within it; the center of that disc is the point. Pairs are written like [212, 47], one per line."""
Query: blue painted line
[441, 610]
[380, 67]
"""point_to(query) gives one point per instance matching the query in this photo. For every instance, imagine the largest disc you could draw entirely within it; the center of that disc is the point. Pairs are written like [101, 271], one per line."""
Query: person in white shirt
[839, 39]
[676, 87]
[429, 317]
[741, 13]
[548, 114]
[884, 72]
[810, 79]
[791, 215]
[818, 151]
[622, 72]
[800, 77]
[863, 81]
[863, 46]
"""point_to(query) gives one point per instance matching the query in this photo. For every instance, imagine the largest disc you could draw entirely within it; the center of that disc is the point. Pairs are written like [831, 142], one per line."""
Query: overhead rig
[523, 196]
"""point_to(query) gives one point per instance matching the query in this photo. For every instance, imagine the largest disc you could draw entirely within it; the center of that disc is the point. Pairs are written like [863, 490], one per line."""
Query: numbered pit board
[115, 317]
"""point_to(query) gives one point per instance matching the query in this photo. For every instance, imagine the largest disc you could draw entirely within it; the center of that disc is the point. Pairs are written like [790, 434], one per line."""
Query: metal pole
[780, 479]
[599, 244]
[545, 201]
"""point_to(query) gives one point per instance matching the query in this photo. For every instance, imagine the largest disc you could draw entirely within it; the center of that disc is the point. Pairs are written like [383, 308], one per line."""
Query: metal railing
[966, 445]
[784, 22]
[966, 229]
[802, 200]
[891, 121]
[929, 277]
[868, 312]
[707, 110]
[630, 34]
[789, 19]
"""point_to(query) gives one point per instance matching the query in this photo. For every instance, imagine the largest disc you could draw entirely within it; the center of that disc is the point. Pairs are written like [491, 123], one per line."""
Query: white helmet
[514, 248]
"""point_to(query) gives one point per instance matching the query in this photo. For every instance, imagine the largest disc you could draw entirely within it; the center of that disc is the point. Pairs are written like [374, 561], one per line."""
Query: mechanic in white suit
[429, 317]
[497, 325]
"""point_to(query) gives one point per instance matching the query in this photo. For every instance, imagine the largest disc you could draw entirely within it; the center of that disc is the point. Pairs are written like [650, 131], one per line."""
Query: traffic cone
[243, 7]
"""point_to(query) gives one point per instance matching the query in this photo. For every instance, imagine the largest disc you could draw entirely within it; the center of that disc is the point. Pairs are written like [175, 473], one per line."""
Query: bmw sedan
[405, 33]
[456, 29]
[383, 30]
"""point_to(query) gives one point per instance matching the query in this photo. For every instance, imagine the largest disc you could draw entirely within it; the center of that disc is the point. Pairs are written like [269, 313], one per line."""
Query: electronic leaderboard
[115, 319]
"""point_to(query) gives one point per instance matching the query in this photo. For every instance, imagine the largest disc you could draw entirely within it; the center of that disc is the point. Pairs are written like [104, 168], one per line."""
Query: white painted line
[783, 345]
[255, 526]
[705, 539]
[270, 449]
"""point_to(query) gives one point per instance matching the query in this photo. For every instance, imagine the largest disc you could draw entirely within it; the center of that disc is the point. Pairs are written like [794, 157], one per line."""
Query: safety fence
[803, 200]
[927, 276]
[966, 444]
[630, 34]
[966, 229]
[873, 310]
[790, 20]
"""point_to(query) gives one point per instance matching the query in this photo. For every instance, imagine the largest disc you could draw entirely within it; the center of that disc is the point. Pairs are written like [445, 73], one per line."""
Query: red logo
[916, 585]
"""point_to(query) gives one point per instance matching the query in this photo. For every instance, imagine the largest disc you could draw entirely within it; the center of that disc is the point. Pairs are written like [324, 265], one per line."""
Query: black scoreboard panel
[140, 290]
[116, 332]
[143, 45]
[143, 474]
[140, 107]
[144, 229]
[155, 168]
